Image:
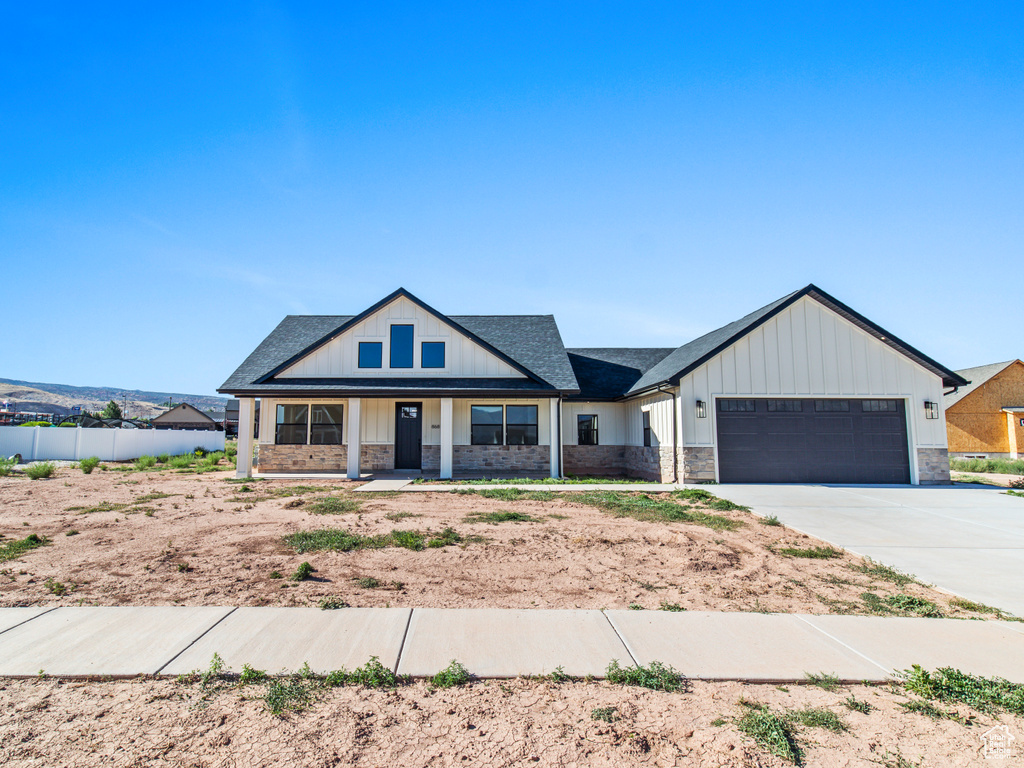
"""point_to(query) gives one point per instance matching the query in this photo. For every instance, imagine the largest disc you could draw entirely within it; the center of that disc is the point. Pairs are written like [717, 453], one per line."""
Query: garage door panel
[799, 441]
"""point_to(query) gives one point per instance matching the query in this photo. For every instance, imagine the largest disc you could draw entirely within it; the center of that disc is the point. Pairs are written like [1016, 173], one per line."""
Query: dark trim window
[485, 424]
[586, 430]
[401, 346]
[736, 406]
[646, 416]
[290, 428]
[832, 406]
[878, 406]
[325, 427]
[432, 354]
[785, 406]
[520, 425]
[371, 354]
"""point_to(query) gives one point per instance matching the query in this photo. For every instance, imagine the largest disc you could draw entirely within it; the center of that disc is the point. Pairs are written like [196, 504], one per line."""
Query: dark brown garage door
[812, 441]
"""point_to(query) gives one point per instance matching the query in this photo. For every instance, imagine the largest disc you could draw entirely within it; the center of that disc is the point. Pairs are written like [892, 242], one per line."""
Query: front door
[408, 435]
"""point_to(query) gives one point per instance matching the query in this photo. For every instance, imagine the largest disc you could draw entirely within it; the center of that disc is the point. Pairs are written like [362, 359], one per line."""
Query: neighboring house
[231, 417]
[183, 416]
[986, 418]
[802, 390]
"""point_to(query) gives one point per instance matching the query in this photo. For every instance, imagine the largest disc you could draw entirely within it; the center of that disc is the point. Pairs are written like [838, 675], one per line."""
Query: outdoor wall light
[931, 410]
[702, 409]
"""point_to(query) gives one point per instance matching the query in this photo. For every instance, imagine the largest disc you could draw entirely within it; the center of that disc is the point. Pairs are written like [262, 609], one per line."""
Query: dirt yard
[162, 538]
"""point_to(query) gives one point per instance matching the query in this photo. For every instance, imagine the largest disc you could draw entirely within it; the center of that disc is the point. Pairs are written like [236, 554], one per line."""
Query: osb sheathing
[977, 423]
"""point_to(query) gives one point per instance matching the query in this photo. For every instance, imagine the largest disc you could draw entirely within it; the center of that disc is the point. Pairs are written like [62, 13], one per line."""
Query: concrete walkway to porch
[130, 641]
[391, 483]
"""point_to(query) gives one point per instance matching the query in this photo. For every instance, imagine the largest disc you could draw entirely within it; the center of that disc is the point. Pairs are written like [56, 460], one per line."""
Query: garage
[797, 440]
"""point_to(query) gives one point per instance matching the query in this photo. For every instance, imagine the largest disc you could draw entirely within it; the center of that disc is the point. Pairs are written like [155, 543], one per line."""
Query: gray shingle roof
[976, 376]
[608, 373]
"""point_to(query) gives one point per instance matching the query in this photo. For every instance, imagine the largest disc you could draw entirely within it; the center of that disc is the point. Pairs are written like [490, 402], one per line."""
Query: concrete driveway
[964, 539]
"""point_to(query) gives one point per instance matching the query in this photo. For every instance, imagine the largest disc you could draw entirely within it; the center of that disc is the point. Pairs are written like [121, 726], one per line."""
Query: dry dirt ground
[492, 723]
[169, 538]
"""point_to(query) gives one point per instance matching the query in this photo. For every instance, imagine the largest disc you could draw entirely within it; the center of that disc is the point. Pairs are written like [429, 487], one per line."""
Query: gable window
[401, 346]
[291, 424]
[485, 424]
[647, 428]
[586, 430]
[432, 354]
[371, 354]
[521, 425]
[325, 428]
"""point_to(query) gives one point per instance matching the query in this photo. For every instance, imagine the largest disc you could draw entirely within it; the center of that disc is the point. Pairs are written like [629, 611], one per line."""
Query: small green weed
[852, 702]
[817, 717]
[396, 516]
[985, 694]
[656, 676]
[368, 582]
[72, 532]
[40, 470]
[373, 674]
[333, 505]
[822, 680]
[145, 462]
[251, 676]
[636, 607]
[926, 708]
[103, 506]
[289, 694]
[499, 517]
[896, 760]
[673, 607]
[970, 605]
[915, 605]
[772, 520]
[605, 714]
[885, 573]
[89, 464]
[275, 575]
[303, 572]
[12, 549]
[451, 676]
[7, 466]
[769, 731]
[332, 603]
[57, 588]
[814, 553]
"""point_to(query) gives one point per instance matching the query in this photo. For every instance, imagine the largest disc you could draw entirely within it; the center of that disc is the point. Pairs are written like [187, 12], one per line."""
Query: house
[986, 418]
[184, 416]
[231, 417]
[804, 389]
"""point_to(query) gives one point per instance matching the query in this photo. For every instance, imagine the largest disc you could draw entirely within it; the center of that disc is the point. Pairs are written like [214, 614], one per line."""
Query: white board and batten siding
[809, 351]
[463, 358]
[76, 443]
[621, 423]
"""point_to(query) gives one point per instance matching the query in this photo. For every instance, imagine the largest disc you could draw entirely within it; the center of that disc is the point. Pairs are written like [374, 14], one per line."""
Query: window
[586, 430]
[875, 406]
[485, 424]
[734, 406]
[401, 346]
[785, 406]
[521, 425]
[647, 428]
[371, 354]
[409, 412]
[834, 406]
[291, 424]
[432, 354]
[325, 427]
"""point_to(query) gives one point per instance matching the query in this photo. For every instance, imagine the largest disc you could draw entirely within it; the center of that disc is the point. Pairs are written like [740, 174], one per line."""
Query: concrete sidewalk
[497, 643]
[409, 486]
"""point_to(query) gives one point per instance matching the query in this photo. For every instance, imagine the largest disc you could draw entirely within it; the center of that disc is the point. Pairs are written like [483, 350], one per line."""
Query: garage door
[812, 441]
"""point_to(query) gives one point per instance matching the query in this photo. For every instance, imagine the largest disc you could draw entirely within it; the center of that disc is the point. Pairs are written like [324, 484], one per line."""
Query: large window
[485, 424]
[586, 430]
[401, 346]
[432, 354]
[647, 428]
[325, 428]
[520, 424]
[291, 424]
[370, 354]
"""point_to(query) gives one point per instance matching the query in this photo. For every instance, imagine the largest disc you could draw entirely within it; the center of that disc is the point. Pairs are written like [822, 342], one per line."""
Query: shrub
[36, 424]
[303, 572]
[451, 676]
[656, 676]
[6, 466]
[145, 462]
[997, 466]
[162, 458]
[89, 464]
[40, 469]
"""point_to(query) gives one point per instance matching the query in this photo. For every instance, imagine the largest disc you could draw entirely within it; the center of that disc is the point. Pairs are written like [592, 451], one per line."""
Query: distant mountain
[59, 398]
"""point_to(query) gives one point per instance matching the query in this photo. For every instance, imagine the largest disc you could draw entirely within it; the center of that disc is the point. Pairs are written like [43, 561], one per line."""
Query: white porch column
[556, 443]
[246, 427]
[447, 431]
[354, 444]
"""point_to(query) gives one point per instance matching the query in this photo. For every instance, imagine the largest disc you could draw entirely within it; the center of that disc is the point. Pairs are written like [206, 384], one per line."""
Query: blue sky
[175, 178]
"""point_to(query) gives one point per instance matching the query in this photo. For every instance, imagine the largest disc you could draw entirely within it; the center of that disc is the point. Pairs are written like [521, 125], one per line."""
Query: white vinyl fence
[73, 444]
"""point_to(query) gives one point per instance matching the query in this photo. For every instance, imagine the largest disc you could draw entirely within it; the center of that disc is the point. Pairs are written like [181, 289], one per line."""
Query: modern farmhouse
[802, 390]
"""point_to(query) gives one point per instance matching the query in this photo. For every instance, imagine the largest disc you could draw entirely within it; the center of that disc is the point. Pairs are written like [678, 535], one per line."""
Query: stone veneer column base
[650, 463]
[501, 460]
[302, 458]
[430, 459]
[933, 466]
[698, 464]
[594, 460]
[376, 458]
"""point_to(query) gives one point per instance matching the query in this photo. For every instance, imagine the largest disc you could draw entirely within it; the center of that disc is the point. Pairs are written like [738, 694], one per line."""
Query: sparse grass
[7, 466]
[996, 466]
[40, 469]
[333, 505]
[57, 588]
[72, 532]
[508, 494]
[154, 497]
[294, 693]
[885, 573]
[970, 605]
[368, 582]
[372, 674]
[275, 575]
[985, 694]
[709, 500]
[813, 553]
[499, 517]
[890, 760]
[770, 732]
[605, 714]
[303, 572]
[452, 676]
[89, 464]
[636, 607]
[926, 708]
[822, 680]
[103, 506]
[340, 540]
[643, 506]
[852, 702]
[332, 604]
[672, 607]
[568, 480]
[1015, 493]
[396, 516]
[144, 462]
[656, 676]
[772, 521]
[13, 549]
[817, 717]
[250, 676]
[915, 605]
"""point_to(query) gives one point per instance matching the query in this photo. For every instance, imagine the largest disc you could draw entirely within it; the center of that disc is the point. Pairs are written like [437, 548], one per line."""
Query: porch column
[246, 427]
[354, 444]
[447, 430]
[556, 442]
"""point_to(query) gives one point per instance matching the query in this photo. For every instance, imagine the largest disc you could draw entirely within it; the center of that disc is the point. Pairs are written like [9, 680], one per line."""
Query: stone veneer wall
[933, 466]
[650, 462]
[498, 460]
[594, 459]
[698, 464]
[431, 458]
[375, 457]
[302, 458]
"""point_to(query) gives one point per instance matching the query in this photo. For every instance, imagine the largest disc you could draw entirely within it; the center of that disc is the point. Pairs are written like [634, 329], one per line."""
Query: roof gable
[976, 377]
[183, 412]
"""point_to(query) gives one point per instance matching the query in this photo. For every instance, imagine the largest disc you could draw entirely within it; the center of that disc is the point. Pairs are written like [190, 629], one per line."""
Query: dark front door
[408, 435]
[812, 441]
